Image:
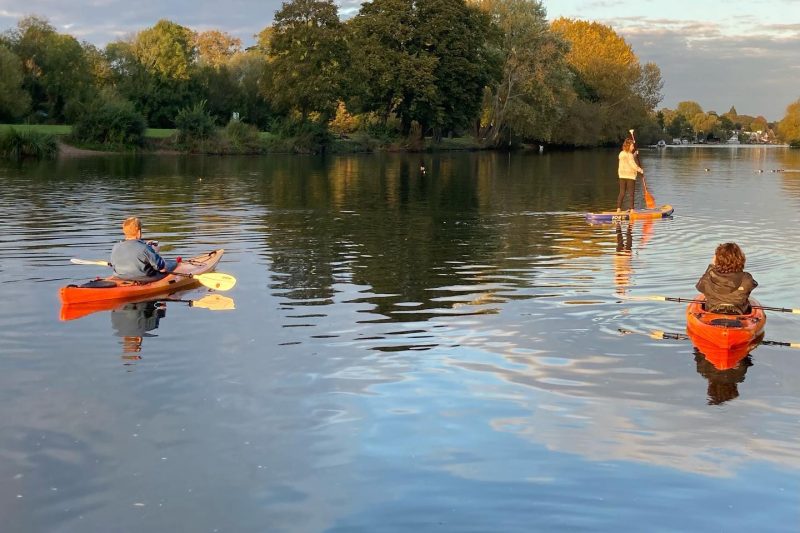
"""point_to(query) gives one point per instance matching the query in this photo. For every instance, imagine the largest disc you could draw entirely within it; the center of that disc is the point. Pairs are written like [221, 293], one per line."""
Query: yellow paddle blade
[216, 280]
[656, 334]
[214, 302]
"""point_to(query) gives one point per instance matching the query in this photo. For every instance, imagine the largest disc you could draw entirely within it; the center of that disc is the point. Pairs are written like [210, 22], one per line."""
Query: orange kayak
[729, 333]
[114, 288]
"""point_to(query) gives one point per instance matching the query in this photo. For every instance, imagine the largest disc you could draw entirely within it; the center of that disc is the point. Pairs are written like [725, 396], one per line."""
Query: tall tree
[307, 53]
[56, 71]
[166, 50]
[613, 91]
[216, 48]
[455, 33]
[689, 109]
[789, 126]
[154, 71]
[532, 92]
[14, 101]
[389, 73]
[423, 60]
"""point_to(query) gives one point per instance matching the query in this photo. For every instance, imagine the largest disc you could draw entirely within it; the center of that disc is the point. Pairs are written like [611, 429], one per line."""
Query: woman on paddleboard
[628, 169]
[725, 284]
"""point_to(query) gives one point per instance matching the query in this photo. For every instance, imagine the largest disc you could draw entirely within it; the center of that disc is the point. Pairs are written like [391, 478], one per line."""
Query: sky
[718, 53]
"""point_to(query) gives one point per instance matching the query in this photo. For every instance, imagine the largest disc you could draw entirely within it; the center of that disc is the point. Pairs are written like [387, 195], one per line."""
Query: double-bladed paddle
[692, 300]
[660, 335]
[212, 280]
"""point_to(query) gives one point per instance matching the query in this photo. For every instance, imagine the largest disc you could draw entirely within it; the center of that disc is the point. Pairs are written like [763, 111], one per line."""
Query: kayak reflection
[135, 320]
[723, 385]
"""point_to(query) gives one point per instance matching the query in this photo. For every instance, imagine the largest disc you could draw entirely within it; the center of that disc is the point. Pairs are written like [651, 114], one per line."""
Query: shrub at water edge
[21, 144]
[112, 122]
[194, 124]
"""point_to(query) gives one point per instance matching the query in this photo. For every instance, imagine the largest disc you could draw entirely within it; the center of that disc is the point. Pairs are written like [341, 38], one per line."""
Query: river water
[409, 350]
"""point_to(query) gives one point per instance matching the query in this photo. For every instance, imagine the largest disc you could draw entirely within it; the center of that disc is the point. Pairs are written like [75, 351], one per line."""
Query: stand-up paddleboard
[637, 214]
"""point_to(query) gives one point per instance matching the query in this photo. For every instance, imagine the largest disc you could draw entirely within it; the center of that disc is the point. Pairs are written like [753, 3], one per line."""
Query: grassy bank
[159, 139]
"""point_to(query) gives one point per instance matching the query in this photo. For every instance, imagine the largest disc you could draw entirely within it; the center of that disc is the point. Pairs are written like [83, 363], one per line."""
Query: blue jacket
[135, 260]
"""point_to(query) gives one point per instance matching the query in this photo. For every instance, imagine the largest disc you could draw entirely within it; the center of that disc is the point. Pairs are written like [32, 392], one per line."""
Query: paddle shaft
[657, 334]
[764, 307]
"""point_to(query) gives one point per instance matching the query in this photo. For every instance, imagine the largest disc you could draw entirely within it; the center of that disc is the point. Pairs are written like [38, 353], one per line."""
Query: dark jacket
[726, 293]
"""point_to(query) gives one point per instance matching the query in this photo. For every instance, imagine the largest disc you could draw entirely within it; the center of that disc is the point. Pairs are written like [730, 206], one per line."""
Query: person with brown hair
[725, 284]
[134, 259]
[627, 172]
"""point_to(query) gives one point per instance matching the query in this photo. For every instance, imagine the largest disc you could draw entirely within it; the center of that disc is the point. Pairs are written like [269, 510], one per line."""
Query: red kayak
[724, 336]
[114, 288]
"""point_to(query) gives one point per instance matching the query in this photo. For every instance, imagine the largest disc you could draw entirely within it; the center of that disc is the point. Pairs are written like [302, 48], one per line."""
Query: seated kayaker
[725, 284]
[135, 260]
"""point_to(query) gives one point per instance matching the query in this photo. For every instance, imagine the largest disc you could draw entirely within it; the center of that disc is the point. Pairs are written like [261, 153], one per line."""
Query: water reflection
[133, 322]
[622, 259]
[723, 384]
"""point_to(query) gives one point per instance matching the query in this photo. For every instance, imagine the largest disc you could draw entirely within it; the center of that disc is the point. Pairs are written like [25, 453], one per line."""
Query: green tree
[14, 101]
[789, 126]
[389, 73]
[166, 50]
[455, 33]
[529, 97]
[154, 71]
[249, 70]
[307, 53]
[679, 126]
[56, 70]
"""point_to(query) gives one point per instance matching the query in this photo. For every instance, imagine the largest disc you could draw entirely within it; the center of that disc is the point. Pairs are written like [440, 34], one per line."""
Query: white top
[627, 166]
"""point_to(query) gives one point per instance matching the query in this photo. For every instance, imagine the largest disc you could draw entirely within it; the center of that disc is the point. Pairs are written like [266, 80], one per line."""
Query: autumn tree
[789, 126]
[216, 48]
[307, 56]
[531, 94]
[759, 124]
[613, 92]
[14, 101]
[689, 109]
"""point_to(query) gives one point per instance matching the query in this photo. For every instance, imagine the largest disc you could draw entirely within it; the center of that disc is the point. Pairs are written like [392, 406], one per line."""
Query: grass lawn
[65, 129]
[41, 128]
[158, 133]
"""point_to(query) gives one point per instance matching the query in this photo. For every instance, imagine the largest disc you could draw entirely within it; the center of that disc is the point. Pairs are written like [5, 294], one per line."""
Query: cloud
[707, 63]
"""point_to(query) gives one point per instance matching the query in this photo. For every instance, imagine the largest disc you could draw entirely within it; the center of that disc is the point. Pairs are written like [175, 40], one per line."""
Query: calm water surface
[408, 352]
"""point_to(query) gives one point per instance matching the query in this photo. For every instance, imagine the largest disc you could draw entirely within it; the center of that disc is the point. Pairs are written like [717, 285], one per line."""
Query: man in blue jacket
[135, 260]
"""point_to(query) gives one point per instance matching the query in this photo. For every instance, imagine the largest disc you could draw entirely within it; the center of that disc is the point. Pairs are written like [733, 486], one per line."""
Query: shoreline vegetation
[491, 75]
[21, 141]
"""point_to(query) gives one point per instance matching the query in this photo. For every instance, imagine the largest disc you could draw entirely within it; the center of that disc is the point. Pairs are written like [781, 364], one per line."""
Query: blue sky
[716, 52]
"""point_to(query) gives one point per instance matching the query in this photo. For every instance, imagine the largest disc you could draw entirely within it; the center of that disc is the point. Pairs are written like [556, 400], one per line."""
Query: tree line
[497, 70]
